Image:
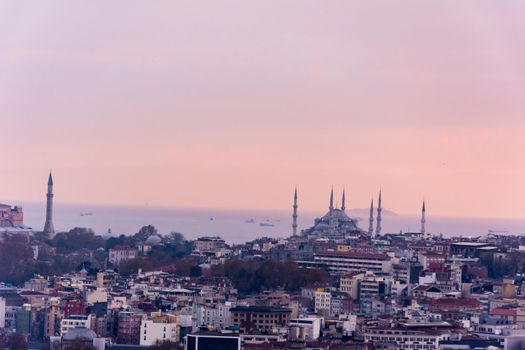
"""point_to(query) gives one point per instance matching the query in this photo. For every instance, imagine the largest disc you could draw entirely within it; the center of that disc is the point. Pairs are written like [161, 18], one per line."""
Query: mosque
[336, 223]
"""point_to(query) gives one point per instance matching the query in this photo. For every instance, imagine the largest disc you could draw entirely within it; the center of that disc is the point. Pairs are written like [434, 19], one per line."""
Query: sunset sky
[230, 104]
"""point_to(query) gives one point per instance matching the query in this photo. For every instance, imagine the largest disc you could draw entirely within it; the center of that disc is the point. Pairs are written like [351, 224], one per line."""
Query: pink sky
[231, 104]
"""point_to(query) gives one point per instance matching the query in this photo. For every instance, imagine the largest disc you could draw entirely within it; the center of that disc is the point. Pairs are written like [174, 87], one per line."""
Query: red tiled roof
[503, 312]
[467, 302]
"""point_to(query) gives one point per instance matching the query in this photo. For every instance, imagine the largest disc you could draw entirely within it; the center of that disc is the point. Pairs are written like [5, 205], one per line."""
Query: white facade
[348, 323]
[218, 316]
[346, 284]
[121, 254]
[405, 339]
[323, 301]
[209, 244]
[2, 312]
[74, 321]
[427, 279]
[162, 328]
[99, 295]
[354, 261]
[311, 326]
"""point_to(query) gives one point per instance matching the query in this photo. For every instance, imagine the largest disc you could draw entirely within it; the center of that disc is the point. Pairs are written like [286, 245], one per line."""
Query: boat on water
[250, 221]
[88, 213]
[266, 224]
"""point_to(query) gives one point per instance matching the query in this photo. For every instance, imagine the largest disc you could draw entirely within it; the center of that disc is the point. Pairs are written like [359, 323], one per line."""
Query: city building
[209, 244]
[11, 216]
[351, 261]
[24, 319]
[2, 312]
[401, 338]
[75, 321]
[307, 328]
[121, 253]
[260, 318]
[52, 326]
[323, 301]
[159, 327]
[212, 341]
[129, 323]
[218, 315]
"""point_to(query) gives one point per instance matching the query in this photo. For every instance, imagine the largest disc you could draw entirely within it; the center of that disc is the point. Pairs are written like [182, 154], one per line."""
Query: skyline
[357, 211]
[186, 105]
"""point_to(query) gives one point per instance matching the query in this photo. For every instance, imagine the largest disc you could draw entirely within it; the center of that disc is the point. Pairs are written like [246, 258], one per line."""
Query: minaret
[371, 219]
[343, 204]
[379, 209]
[294, 216]
[49, 228]
[423, 219]
[331, 207]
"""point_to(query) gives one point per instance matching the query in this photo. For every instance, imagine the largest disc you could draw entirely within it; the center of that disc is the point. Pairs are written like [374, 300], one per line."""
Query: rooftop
[263, 309]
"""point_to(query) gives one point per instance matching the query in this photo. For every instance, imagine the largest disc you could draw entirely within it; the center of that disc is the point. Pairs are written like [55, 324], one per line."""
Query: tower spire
[49, 228]
[343, 201]
[423, 219]
[331, 207]
[379, 210]
[371, 219]
[294, 216]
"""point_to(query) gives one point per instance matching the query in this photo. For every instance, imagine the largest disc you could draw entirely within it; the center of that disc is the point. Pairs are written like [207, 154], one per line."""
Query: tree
[183, 267]
[144, 233]
[255, 275]
[100, 256]
[132, 266]
[175, 238]
[16, 262]
[17, 341]
[195, 271]
[112, 242]
[76, 239]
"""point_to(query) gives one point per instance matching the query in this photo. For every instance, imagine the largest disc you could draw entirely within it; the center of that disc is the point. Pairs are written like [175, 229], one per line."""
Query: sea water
[238, 226]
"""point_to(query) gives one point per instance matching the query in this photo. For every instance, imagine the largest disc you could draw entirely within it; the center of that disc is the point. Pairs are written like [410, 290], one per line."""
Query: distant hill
[366, 212]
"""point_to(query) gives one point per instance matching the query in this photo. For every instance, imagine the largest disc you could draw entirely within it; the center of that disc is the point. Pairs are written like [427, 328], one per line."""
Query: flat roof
[469, 244]
[260, 309]
[214, 334]
[354, 254]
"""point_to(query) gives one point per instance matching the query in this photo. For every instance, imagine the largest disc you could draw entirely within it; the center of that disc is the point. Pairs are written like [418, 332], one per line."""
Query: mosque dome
[336, 214]
[80, 333]
[335, 223]
[153, 240]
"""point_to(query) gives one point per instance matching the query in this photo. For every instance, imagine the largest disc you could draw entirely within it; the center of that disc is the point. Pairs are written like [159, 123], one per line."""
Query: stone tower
[294, 216]
[49, 228]
[343, 201]
[371, 219]
[331, 206]
[423, 219]
[379, 210]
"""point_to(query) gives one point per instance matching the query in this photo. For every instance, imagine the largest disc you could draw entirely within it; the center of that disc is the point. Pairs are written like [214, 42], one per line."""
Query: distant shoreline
[232, 224]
